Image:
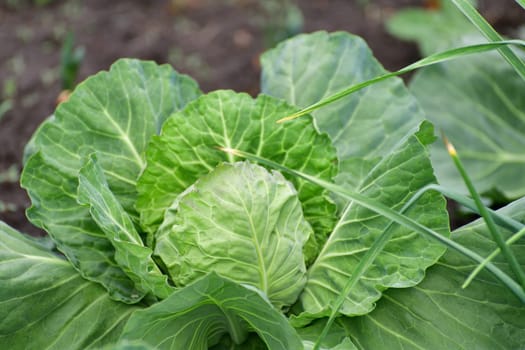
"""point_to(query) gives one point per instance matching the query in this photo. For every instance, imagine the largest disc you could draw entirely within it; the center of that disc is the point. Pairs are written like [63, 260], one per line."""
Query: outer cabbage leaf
[243, 223]
[199, 315]
[403, 261]
[113, 114]
[187, 150]
[479, 103]
[46, 304]
[373, 132]
[439, 314]
[130, 253]
[364, 126]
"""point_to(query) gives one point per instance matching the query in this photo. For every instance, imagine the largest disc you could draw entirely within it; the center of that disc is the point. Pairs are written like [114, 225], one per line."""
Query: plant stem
[496, 235]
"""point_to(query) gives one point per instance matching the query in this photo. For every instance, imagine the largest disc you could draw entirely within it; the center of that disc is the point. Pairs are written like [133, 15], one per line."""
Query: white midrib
[260, 258]
[125, 137]
[224, 132]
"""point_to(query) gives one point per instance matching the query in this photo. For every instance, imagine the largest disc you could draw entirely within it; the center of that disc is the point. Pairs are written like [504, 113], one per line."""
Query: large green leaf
[131, 254]
[46, 304]
[379, 156]
[113, 114]
[364, 126]
[199, 315]
[479, 104]
[245, 224]
[433, 29]
[187, 149]
[439, 314]
[403, 261]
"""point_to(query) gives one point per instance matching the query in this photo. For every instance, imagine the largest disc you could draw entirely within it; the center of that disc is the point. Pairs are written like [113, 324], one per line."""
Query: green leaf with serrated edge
[403, 260]
[379, 156]
[479, 104]
[364, 126]
[73, 229]
[130, 253]
[243, 223]
[439, 314]
[46, 304]
[187, 149]
[197, 317]
[432, 29]
[114, 114]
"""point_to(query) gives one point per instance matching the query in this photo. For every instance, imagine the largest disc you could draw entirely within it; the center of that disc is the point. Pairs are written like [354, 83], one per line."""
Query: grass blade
[496, 235]
[491, 34]
[521, 3]
[382, 240]
[502, 220]
[492, 255]
[391, 214]
[427, 61]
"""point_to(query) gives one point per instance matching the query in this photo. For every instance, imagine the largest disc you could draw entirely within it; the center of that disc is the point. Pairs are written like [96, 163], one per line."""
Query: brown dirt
[217, 42]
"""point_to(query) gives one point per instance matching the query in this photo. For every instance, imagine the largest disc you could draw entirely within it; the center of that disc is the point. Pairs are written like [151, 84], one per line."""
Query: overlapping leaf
[336, 339]
[405, 257]
[363, 126]
[46, 304]
[242, 222]
[479, 103]
[187, 150]
[130, 253]
[439, 314]
[380, 156]
[113, 114]
[201, 314]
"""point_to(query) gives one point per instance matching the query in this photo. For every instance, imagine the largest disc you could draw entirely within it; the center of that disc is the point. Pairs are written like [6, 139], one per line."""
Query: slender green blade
[46, 304]
[439, 314]
[479, 104]
[432, 29]
[436, 58]
[187, 150]
[113, 114]
[130, 253]
[395, 216]
[358, 228]
[519, 275]
[243, 223]
[337, 338]
[491, 34]
[199, 315]
[364, 126]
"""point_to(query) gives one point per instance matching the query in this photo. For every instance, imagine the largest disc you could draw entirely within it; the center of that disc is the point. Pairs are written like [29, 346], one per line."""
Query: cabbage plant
[166, 237]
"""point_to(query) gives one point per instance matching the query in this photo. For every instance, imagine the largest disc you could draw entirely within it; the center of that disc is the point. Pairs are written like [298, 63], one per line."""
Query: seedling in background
[71, 58]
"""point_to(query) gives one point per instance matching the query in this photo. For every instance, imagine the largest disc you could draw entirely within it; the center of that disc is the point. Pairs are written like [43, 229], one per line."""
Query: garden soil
[218, 42]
